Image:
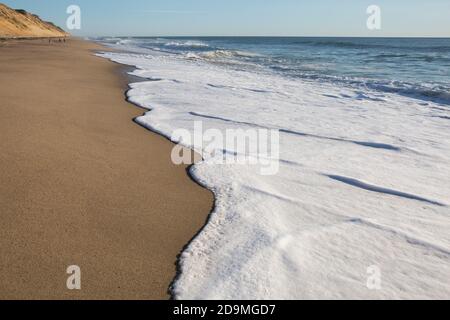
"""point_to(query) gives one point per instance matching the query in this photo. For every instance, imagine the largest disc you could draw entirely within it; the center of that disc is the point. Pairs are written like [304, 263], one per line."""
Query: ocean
[417, 67]
[359, 205]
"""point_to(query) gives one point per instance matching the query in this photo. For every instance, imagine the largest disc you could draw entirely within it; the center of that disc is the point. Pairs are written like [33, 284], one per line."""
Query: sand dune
[20, 23]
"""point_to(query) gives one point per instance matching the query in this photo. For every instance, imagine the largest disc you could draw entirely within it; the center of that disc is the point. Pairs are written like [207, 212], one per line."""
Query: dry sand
[81, 184]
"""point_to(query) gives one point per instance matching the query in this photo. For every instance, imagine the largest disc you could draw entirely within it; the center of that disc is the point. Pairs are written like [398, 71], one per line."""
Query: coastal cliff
[22, 24]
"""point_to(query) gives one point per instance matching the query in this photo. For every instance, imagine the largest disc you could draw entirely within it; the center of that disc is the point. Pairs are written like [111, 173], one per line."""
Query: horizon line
[265, 36]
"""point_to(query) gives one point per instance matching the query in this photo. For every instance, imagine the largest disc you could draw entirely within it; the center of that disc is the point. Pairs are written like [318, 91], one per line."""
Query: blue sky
[246, 17]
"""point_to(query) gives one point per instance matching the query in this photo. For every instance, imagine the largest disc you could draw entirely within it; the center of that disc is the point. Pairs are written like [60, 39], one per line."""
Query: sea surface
[360, 205]
[418, 67]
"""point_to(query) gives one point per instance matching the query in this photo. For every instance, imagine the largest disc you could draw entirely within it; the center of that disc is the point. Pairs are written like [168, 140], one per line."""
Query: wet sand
[82, 184]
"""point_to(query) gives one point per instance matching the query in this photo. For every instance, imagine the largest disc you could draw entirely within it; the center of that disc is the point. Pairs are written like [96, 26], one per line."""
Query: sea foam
[363, 185]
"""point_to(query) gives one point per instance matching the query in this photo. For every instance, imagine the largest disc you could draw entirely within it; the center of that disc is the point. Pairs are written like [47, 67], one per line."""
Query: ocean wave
[186, 44]
[438, 93]
[301, 58]
[233, 59]
[227, 54]
[126, 42]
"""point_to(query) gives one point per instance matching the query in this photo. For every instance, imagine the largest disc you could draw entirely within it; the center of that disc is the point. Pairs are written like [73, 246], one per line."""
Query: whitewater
[362, 194]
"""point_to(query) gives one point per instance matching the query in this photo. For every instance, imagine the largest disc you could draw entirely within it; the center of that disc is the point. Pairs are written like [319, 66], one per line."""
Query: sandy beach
[82, 184]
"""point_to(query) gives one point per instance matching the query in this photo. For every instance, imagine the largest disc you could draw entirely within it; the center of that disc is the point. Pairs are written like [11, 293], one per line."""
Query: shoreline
[125, 69]
[188, 173]
[117, 263]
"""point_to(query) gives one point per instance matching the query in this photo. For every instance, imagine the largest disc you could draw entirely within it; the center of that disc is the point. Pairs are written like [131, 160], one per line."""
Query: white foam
[364, 180]
[188, 44]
